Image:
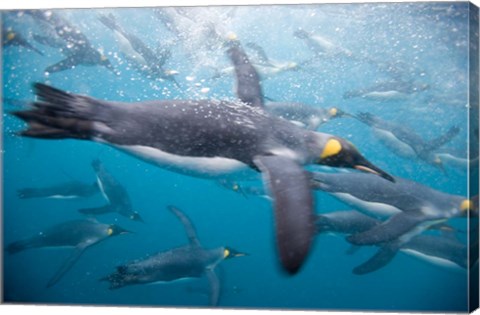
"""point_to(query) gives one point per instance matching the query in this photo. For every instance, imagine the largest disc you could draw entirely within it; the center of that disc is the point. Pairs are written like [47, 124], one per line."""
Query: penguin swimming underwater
[80, 234]
[147, 62]
[10, 37]
[404, 142]
[189, 261]
[114, 193]
[77, 48]
[409, 206]
[434, 249]
[209, 138]
[389, 90]
[306, 116]
[68, 190]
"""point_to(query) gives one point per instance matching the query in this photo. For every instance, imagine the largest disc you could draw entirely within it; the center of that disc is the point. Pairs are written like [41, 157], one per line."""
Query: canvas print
[296, 157]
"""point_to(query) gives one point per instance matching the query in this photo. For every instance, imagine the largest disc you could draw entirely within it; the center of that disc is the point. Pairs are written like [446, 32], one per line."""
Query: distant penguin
[321, 46]
[303, 115]
[10, 37]
[209, 138]
[404, 141]
[76, 46]
[189, 261]
[408, 207]
[147, 62]
[114, 193]
[79, 234]
[388, 91]
[69, 190]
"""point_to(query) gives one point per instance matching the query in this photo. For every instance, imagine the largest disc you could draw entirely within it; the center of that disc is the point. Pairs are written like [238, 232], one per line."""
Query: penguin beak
[368, 167]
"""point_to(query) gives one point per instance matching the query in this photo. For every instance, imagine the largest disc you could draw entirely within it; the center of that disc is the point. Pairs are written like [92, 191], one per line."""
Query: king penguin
[114, 193]
[404, 141]
[209, 138]
[76, 46]
[147, 62]
[189, 261]
[408, 207]
[79, 234]
[68, 190]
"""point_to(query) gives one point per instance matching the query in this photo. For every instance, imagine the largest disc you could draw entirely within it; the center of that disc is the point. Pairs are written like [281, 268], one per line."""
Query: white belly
[384, 95]
[62, 197]
[437, 261]
[393, 144]
[205, 167]
[374, 209]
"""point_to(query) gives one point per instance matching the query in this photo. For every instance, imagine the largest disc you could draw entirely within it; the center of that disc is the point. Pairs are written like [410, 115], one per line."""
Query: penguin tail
[116, 280]
[18, 246]
[27, 193]
[57, 114]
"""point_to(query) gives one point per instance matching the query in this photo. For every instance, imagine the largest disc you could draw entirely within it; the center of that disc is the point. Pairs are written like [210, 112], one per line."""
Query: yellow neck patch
[332, 147]
[110, 231]
[333, 111]
[226, 253]
[466, 205]
[10, 35]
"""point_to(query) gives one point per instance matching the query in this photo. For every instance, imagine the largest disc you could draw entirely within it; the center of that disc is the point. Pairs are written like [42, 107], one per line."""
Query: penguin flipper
[97, 211]
[249, 90]
[68, 264]
[289, 184]
[383, 256]
[443, 139]
[389, 230]
[214, 286]
[65, 64]
[189, 228]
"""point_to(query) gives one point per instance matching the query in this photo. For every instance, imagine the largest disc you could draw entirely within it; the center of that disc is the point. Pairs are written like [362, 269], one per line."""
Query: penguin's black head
[337, 152]
[231, 253]
[116, 230]
[136, 217]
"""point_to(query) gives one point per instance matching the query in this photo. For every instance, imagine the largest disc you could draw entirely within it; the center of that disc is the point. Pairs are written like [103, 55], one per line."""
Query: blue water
[431, 38]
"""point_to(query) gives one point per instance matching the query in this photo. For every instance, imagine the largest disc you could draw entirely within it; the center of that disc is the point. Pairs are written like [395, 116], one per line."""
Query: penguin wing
[289, 184]
[443, 139]
[383, 256]
[249, 90]
[189, 228]
[68, 264]
[65, 64]
[214, 286]
[389, 230]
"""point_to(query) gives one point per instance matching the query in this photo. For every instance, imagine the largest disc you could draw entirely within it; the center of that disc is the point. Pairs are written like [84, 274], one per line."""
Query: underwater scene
[300, 157]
